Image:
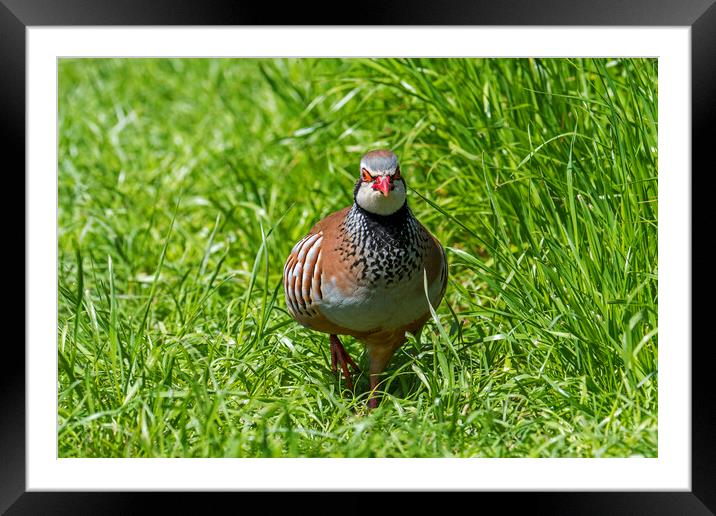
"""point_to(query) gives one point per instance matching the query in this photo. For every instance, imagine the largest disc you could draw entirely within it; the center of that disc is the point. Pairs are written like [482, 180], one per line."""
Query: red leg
[334, 358]
[373, 398]
[380, 349]
[339, 356]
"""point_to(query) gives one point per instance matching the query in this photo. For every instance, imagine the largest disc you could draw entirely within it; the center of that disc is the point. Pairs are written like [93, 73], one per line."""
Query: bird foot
[339, 356]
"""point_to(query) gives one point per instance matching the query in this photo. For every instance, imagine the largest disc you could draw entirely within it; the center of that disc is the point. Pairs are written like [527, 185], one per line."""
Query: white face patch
[374, 201]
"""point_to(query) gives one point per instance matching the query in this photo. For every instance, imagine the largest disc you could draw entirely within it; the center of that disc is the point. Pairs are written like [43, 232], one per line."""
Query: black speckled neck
[385, 248]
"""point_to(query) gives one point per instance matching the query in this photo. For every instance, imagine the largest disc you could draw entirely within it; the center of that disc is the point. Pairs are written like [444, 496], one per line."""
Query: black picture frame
[700, 15]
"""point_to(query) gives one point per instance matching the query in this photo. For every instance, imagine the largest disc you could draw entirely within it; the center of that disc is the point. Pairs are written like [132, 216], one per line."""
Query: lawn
[184, 183]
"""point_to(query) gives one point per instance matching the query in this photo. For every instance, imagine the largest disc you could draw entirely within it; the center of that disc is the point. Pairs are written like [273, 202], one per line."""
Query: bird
[367, 271]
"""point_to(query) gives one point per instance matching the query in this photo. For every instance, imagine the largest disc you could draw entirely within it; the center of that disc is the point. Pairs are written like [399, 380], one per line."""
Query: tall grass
[183, 184]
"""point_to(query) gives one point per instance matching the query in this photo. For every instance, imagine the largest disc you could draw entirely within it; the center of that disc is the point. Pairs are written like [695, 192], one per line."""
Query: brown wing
[303, 271]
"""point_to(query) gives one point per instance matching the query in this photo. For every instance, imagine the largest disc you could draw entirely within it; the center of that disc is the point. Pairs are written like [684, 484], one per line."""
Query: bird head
[380, 189]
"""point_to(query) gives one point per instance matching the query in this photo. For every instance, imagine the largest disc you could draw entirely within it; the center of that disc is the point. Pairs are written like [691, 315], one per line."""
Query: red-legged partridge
[361, 270]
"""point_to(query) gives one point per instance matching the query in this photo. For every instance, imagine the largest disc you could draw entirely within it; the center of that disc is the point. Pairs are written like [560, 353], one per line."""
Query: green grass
[183, 184]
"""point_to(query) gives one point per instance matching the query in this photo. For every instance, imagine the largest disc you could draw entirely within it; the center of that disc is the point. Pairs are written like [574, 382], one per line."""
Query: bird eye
[365, 175]
[397, 173]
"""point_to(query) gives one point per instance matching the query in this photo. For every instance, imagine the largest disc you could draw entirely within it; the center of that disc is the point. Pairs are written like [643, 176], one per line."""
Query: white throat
[374, 201]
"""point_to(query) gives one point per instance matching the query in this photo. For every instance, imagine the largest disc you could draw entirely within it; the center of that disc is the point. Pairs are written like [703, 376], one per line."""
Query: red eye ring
[365, 175]
[397, 174]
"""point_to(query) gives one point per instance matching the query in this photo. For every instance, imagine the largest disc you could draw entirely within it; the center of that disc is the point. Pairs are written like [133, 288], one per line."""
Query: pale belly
[377, 307]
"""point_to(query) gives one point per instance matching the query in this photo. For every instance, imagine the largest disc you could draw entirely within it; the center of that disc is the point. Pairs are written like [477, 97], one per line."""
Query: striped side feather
[302, 277]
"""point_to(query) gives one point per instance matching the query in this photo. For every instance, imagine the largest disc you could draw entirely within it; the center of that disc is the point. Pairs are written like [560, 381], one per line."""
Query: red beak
[383, 184]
